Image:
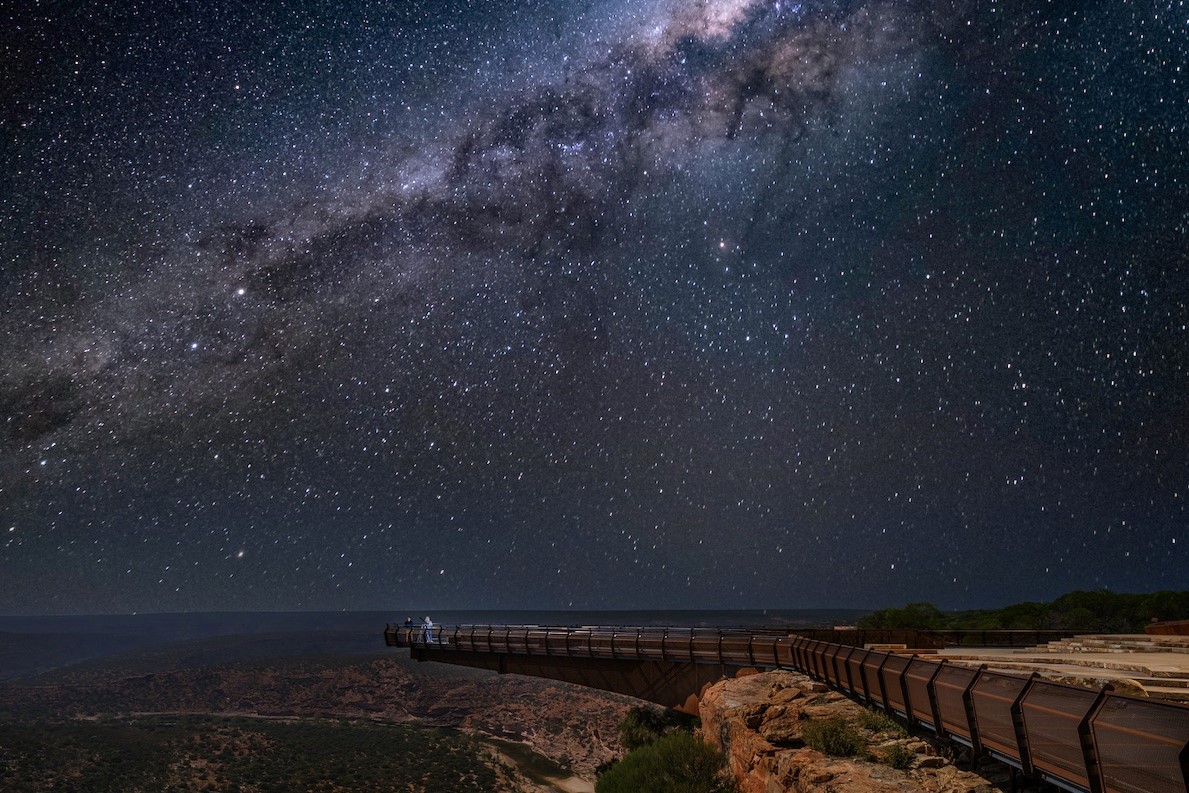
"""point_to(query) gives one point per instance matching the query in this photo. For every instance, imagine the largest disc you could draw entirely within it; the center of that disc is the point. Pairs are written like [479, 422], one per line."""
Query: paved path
[1130, 663]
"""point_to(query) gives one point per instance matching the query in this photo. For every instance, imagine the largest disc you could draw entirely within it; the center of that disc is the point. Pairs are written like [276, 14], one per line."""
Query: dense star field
[602, 304]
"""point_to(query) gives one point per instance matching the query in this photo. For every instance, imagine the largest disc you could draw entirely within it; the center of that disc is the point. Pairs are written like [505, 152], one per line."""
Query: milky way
[603, 305]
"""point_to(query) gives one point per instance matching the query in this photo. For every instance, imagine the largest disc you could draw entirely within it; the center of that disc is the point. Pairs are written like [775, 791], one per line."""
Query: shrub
[644, 725]
[679, 762]
[878, 721]
[834, 736]
[898, 756]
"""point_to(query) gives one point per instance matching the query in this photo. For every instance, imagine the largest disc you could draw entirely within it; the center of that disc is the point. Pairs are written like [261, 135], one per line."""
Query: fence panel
[892, 683]
[949, 692]
[993, 697]
[871, 678]
[823, 660]
[916, 685]
[811, 658]
[1142, 745]
[843, 662]
[599, 643]
[735, 648]
[854, 671]
[776, 648]
[707, 647]
[555, 641]
[831, 656]
[1051, 713]
[798, 648]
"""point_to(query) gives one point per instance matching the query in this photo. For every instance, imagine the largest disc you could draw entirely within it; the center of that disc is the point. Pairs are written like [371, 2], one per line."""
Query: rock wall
[758, 722]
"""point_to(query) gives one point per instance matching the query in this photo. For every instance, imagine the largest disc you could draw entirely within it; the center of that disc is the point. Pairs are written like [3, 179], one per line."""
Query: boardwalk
[1080, 739]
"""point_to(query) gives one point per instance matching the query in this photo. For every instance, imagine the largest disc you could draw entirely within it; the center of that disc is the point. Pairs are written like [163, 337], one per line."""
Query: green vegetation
[898, 756]
[644, 725]
[664, 756]
[222, 755]
[835, 736]
[877, 721]
[678, 762]
[1098, 611]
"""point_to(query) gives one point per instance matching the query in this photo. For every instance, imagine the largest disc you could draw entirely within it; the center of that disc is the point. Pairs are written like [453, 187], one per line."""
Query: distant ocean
[195, 625]
[801, 618]
[30, 645]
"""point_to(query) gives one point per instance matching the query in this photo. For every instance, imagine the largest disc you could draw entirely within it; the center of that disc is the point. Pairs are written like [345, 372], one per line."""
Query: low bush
[834, 736]
[644, 725]
[679, 762]
[898, 756]
[878, 721]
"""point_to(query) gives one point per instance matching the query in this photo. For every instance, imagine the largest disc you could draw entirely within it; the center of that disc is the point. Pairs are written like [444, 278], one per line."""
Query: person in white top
[427, 630]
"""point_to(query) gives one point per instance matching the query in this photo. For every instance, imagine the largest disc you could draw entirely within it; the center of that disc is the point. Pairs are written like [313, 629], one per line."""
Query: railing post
[799, 655]
[931, 692]
[751, 656]
[1021, 729]
[638, 631]
[864, 687]
[1090, 745]
[903, 678]
[664, 641]
[883, 691]
[976, 745]
[691, 645]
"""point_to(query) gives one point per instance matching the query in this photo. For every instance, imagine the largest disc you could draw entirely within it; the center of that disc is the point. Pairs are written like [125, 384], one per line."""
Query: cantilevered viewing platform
[1082, 739]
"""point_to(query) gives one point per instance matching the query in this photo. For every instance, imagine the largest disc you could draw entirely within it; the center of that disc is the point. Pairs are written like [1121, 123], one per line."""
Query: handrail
[1122, 743]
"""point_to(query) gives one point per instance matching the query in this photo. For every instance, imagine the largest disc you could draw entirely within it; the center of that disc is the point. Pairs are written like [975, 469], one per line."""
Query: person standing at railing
[427, 630]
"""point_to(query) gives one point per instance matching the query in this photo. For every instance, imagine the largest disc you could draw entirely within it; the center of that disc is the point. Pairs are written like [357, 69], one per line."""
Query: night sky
[595, 304]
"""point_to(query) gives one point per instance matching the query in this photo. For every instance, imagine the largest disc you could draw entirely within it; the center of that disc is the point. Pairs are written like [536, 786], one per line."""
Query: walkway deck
[1086, 740]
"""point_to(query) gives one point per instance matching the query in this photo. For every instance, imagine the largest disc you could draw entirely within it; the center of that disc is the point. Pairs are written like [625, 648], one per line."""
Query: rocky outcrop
[759, 723]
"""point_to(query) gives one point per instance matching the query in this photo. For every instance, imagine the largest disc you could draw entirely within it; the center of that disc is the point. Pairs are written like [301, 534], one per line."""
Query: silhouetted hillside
[1099, 611]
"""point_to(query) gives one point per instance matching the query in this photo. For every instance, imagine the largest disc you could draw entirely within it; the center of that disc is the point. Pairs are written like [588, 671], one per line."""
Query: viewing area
[1079, 739]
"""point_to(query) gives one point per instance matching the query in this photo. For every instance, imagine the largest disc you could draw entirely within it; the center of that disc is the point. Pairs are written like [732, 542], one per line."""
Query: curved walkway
[1078, 738]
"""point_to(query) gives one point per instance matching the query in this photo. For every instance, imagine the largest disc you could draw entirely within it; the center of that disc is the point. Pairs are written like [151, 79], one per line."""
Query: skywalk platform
[1049, 726]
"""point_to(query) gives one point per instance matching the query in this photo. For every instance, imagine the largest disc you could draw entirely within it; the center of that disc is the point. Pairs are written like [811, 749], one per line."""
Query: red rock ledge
[757, 722]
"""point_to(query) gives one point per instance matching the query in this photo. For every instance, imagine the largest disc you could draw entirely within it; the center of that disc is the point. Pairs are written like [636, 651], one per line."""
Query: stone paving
[1154, 666]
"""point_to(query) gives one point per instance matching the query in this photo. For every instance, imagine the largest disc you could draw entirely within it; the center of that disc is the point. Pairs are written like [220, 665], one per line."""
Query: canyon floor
[197, 701]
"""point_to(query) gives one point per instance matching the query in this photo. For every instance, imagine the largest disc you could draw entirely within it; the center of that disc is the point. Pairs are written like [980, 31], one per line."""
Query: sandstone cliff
[758, 722]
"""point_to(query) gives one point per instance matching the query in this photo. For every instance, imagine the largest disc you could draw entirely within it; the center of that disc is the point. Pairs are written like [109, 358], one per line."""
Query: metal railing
[1079, 739]
[933, 638]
